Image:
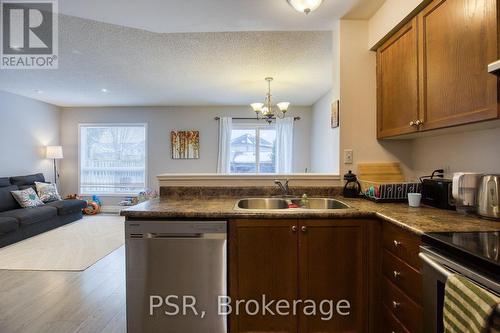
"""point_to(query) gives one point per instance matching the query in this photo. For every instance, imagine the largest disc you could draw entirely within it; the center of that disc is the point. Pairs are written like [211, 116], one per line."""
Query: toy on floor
[92, 208]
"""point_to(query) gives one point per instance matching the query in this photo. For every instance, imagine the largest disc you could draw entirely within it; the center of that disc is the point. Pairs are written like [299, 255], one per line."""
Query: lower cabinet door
[333, 266]
[263, 261]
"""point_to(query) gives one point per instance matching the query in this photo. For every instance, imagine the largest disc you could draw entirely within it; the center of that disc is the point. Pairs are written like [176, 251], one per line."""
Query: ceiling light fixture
[266, 110]
[305, 6]
[104, 90]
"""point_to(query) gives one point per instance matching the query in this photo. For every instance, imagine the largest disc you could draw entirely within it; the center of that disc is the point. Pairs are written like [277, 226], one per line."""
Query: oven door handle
[445, 273]
[437, 267]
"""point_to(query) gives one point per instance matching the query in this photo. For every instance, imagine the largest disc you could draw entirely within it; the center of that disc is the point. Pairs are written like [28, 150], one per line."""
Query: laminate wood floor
[91, 301]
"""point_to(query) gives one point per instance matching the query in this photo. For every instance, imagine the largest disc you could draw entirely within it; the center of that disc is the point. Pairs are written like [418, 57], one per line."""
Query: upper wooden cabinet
[455, 40]
[397, 83]
[458, 39]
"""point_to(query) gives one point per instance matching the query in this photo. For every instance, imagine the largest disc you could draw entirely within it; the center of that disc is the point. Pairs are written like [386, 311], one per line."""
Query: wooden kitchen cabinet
[263, 260]
[457, 41]
[432, 73]
[332, 265]
[397, 83]
[402, 280]
[308, 260]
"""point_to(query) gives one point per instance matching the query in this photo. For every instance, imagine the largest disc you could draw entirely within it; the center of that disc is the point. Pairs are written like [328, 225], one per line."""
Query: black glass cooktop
[482, 248]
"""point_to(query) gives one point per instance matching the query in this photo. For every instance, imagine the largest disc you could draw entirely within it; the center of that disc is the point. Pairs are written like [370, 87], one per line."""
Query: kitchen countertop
[418, 220]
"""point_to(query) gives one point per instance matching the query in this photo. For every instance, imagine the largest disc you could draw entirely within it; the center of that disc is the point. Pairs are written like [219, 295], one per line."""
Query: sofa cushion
[5, 181]
[27, 180]
[27, 216]
[47, 192]
[27, 198]
[65, 207]
[7, 201]
[8, 224]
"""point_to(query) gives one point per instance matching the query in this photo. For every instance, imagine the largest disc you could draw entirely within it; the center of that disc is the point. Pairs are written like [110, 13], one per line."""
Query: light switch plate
[348, 156]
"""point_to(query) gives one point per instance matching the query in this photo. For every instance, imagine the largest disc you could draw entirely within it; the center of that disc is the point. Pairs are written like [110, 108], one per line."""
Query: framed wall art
[185, 145]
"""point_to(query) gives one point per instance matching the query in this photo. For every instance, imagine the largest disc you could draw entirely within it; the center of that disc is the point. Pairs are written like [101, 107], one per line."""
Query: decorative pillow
[47, 192]
[27, 198]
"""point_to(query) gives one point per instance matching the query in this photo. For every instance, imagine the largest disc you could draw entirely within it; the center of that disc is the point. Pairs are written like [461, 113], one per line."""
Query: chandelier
[266, 110]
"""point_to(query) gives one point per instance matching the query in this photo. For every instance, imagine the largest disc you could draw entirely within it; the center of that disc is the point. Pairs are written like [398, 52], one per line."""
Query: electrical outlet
[348, 156]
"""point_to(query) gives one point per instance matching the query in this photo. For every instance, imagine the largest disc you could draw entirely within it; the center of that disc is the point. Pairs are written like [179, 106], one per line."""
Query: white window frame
[258, 126]
[146, 180]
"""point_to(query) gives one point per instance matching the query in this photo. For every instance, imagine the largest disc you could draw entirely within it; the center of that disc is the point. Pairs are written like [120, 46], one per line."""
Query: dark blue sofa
[18, 223]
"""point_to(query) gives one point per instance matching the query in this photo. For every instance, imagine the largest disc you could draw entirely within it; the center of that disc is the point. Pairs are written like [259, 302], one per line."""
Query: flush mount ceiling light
[266, 110]
[305, 6]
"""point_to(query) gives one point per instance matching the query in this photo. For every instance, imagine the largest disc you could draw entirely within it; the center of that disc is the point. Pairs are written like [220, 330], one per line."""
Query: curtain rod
[274, 118]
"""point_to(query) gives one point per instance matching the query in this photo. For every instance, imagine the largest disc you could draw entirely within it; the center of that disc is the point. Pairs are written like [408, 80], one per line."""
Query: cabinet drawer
[406, 311]
[405, 277]
[390, 324]
[403, 244]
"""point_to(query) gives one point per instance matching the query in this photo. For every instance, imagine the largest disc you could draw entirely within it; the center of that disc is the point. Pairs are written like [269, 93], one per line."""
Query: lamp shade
[55, 152]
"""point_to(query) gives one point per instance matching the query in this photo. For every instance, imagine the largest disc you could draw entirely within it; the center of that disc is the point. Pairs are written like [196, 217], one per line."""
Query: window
[112, 159]
[253, 148]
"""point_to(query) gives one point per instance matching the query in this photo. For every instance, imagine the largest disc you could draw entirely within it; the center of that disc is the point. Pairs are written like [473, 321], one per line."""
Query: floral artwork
[185, 144]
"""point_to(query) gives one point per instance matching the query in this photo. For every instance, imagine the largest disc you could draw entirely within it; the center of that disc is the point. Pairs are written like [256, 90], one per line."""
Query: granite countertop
[418, 220]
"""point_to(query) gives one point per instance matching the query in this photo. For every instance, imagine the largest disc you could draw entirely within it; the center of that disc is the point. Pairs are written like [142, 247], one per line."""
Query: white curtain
[224, 159]
[284, 145]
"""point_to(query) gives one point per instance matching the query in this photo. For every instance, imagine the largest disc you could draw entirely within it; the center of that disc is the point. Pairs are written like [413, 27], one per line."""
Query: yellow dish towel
[469, 308]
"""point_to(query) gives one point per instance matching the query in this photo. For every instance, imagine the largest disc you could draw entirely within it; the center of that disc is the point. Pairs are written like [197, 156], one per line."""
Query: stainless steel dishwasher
[174, 263]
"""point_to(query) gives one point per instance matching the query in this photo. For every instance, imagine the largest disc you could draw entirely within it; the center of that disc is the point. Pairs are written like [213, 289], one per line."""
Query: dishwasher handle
[166, 229]
[200, 236]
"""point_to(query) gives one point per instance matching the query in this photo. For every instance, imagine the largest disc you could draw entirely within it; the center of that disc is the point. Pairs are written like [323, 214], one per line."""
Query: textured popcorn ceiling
[138, 67]
[216, 15]
[187, 52]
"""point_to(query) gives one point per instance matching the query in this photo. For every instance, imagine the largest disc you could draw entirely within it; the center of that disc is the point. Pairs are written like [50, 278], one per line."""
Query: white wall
[474, 151]
[324, 138]
[26, 127]
[387, 17]
[161, 120]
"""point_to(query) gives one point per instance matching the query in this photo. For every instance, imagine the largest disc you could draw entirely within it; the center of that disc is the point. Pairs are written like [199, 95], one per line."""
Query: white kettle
[464, 191]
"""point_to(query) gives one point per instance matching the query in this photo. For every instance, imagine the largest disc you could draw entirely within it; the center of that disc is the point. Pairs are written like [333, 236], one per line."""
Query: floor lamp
[55, 153]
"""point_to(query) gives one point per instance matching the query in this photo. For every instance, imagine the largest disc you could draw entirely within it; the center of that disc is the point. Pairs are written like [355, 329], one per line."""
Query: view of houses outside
[253, 150]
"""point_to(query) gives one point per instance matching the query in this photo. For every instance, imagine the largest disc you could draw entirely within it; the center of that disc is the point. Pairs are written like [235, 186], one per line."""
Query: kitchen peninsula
[366, 253]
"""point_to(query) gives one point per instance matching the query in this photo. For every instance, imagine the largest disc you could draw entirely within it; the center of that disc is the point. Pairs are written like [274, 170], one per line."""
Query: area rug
[73, 247]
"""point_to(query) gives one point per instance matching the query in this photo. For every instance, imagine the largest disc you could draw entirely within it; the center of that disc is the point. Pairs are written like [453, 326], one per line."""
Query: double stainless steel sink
[286, 203]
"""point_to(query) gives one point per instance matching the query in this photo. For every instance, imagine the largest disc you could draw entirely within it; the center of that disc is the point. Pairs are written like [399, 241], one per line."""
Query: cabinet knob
[396, 274]
[294, 228]
[419, 123]
[397, 243]
[304, 228]
[412, 123]
[395, 304]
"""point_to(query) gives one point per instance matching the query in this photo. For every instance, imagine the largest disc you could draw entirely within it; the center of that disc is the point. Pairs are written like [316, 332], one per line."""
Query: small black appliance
[352, 188]
[437, 191]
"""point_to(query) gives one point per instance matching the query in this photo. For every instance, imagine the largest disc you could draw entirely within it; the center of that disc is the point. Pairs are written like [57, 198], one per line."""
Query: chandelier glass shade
[267, 110]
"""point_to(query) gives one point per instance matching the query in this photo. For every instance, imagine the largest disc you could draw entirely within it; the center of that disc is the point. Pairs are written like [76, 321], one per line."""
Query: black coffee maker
[352, 188]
